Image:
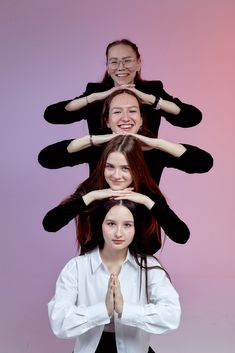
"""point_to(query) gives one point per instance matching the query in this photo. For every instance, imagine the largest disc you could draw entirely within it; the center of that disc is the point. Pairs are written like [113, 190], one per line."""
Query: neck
[113, 260]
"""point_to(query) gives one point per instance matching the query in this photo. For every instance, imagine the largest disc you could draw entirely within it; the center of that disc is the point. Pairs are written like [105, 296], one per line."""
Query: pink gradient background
[50, 49]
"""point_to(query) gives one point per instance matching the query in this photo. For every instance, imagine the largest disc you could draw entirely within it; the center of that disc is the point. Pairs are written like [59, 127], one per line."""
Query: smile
[126, 126]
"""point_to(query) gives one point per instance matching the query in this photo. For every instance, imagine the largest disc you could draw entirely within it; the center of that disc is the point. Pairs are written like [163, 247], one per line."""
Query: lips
[125, 126]
[118, 242]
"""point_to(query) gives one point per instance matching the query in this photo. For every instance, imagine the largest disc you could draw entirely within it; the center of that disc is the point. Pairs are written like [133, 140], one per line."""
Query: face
[117, 172]
[124, 114]
[118, 229]
[122, 64]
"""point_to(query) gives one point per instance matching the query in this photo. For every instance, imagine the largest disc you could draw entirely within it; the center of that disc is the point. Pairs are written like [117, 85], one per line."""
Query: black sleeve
[193, 160]
[61, 215]
[57, 114]
[57, 156]
[189, 115]
[172, 225]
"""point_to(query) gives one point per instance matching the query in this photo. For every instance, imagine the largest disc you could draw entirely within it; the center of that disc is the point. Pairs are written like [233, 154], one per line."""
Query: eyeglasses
[114, 64]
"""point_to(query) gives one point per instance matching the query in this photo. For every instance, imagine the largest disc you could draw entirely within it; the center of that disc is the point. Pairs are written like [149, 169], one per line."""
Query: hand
[109, 300]
[102, 95]
[147, 143]
[144, 97]
[138, 198]
[118, 298]
[100, 139]
[105, 194]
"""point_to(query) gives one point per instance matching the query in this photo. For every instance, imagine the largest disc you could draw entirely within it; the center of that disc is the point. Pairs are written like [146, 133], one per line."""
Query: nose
[120, 65]
[116, 173]
[118, 233]
[125, 115]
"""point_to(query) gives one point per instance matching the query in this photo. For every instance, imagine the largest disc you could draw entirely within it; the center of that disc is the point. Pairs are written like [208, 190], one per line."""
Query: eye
[109, 166]
[128, 61]
[133, 110]
[116, 111]
[113, 62]
[125, 169]
[128, 225]
[110, 224]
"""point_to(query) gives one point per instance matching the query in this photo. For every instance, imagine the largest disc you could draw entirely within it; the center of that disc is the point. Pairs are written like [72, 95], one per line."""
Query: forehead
[117, 158]
[119, 212]
[122, 100]
[120, 51]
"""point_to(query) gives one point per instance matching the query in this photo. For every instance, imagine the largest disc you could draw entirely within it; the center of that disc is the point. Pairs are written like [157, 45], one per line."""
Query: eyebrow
[122, 165]
[129, 106]
[124, 57]
[112, 220]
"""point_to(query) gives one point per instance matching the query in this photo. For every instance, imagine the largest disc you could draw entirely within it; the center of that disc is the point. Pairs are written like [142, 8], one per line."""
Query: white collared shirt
[78, 308]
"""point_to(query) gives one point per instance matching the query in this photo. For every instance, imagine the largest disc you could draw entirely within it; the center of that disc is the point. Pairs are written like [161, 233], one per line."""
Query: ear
[139, 65]
[107, 123]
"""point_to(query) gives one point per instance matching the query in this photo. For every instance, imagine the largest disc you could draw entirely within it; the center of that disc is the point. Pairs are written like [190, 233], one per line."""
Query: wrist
[157, 103]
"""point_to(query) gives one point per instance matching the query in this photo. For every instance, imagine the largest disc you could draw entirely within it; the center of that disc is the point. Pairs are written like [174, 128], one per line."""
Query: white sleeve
[163, 311]
[67, 317]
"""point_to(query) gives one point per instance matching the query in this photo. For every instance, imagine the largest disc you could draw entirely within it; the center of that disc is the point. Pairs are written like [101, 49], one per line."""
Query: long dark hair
[107, 80]
[139, 247]
[142, 183]
[130, 147]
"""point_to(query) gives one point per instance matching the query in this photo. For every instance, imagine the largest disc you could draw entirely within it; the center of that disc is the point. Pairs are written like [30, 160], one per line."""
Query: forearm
[169, 107]
[175, 149]
[61, 215]
[79, 144]
[172, 225]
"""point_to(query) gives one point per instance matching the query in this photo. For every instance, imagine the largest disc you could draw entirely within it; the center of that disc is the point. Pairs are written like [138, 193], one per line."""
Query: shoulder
[76, 262]
[95, 87]
[154, 84]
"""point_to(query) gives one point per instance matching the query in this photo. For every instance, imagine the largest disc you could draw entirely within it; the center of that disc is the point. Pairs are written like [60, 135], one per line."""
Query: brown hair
[142, 183]
[107, 79]
[106, 106]
[139, 247]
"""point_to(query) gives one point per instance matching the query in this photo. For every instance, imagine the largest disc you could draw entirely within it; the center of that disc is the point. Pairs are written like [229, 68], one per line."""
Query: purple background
[50, 49]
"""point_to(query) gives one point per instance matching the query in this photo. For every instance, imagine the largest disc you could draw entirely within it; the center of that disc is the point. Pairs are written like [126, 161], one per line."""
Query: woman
[111, 298]
[118, 175]
[123, 114]
[123, 65]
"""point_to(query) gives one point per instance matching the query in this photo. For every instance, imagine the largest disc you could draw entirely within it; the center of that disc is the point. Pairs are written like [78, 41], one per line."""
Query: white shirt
[78, 308]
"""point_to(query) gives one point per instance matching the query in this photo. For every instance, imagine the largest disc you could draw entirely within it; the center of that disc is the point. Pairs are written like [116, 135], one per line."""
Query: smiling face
[122, 64]
[117, 172]
[124, 114]
[118, 229]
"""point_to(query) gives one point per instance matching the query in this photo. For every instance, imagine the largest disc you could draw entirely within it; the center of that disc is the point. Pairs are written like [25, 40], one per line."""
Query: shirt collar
[96, 260]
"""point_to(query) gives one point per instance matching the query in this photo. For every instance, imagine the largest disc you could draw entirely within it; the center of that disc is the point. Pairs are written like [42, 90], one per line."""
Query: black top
[188, 116]
[172, 225]
[193, 160]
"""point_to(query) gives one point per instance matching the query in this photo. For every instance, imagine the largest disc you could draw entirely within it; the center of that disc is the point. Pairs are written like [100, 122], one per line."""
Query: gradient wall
[50, 49]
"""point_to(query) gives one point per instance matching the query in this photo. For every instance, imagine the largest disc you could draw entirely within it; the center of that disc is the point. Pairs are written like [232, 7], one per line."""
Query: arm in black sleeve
[57, 114]
[61, 215]
[195, 160]
[172, 225]
[189, 115]
[57, 156]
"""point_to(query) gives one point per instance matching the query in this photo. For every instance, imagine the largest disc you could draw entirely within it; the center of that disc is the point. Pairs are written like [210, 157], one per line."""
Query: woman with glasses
[123, 66]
